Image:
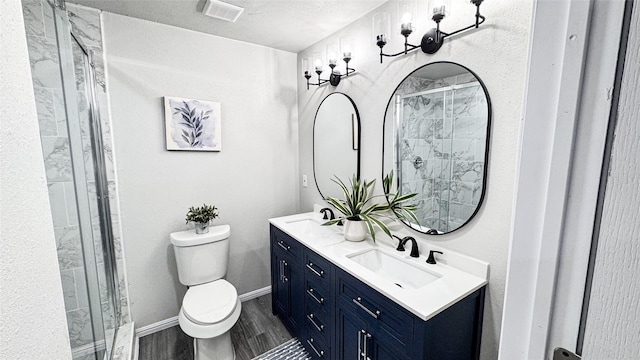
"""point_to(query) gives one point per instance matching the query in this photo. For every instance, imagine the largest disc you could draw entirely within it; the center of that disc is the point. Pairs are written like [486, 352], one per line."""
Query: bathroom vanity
[346, 300]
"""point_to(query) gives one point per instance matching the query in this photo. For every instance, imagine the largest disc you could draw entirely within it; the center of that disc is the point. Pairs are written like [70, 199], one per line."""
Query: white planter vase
[355, 230]
[202, 228]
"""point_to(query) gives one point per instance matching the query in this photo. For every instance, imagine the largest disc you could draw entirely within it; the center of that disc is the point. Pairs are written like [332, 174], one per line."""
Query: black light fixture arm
[320, 82]
[479, 20]
[407, 49]
[432, 39]
[334, 78]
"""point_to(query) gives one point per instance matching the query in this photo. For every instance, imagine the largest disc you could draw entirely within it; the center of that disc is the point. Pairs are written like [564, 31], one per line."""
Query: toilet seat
[210, 309]
[210, 303]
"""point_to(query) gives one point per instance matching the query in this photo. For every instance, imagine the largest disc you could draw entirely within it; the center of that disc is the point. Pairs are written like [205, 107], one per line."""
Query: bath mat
[291, 350]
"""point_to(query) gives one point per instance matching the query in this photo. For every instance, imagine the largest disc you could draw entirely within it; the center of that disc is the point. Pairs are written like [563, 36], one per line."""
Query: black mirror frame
[486, 154]
[313, 153]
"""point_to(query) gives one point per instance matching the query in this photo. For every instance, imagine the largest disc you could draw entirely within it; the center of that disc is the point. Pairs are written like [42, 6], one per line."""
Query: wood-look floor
[256, 331]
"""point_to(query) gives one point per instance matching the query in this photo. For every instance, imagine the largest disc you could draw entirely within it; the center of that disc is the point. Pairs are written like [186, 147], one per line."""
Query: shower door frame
[399, 104]
[65, 37]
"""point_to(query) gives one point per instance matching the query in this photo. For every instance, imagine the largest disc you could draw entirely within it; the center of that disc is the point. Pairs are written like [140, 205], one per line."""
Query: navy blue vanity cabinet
[455, 333]
[319, 305]
[358, 339]
[336, 316]
[287, 281]
[370, 324]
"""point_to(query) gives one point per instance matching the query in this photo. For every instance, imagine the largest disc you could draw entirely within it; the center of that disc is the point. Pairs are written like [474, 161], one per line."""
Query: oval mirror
[436, 140]
[336, 143]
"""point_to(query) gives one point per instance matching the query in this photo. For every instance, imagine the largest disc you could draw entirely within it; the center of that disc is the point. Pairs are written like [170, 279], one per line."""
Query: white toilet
[210, 307]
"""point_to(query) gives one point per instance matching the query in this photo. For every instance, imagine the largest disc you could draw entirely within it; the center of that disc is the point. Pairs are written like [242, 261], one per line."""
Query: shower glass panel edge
[102, 338]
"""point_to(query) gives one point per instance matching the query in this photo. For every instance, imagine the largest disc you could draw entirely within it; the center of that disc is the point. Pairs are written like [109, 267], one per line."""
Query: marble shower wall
[446, 130]
[47, 83]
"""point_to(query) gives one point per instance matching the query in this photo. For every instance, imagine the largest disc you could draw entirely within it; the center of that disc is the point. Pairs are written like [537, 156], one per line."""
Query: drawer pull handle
[311, 318]
[313, 295]
[286, 248]
[366, 345]
[358, 302]
[310, 267]
[283, 275]
[319, 353]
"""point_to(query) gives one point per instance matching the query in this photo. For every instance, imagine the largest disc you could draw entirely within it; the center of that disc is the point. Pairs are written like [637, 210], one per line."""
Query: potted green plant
[201, 216]
[360, 213]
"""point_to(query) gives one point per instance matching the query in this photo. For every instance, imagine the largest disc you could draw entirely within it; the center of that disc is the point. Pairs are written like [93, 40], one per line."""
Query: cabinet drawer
[319, 296]
[319, 322]
[285, 243]
[383, 314]
[316, 347]
[317, 268]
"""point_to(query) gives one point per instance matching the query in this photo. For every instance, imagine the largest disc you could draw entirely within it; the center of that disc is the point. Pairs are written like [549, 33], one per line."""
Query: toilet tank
[201, 258]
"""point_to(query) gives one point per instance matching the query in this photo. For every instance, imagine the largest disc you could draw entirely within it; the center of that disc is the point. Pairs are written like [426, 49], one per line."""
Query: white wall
[251, 180]
[32, 317]
[497, 52]
[612, 328]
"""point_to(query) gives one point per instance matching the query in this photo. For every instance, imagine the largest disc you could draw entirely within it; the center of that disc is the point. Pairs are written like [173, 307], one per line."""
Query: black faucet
[325, 211]
[414, 246]
[400, 243]
[432, 259]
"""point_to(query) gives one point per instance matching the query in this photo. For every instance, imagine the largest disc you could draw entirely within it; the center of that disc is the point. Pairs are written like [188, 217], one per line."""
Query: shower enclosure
[64, 77]
[434, 155]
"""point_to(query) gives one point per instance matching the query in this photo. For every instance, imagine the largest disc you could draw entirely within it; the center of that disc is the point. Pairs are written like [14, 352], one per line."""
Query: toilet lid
[210, 303]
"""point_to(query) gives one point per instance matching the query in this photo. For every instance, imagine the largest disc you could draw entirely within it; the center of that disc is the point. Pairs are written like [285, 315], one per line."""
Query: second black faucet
[414, 245]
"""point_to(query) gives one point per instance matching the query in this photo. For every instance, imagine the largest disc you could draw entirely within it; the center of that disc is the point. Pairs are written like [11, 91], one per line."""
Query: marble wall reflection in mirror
[436, 139]
[336, 143]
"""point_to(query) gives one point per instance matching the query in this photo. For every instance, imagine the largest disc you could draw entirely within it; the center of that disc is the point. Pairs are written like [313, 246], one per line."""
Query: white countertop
[460, 275]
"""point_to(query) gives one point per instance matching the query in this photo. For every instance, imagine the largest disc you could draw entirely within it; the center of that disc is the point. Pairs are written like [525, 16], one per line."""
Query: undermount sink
[395, 269]
[315, 230]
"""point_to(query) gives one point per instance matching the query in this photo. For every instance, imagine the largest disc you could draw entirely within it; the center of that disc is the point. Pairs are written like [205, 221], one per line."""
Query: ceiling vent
[221, 10]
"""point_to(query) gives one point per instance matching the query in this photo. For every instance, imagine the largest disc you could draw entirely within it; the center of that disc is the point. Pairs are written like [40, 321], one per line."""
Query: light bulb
[332, 54]
[406, 18]
[306, 66]
[440, 8]
[346, 46]
[405, 26]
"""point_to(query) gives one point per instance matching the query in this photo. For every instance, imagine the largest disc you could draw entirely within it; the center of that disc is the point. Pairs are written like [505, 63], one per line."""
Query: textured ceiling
[291, 25]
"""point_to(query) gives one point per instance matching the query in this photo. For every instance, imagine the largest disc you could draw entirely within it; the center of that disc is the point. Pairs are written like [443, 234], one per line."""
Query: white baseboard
[157, 326]
[171, 322]
[255, 294]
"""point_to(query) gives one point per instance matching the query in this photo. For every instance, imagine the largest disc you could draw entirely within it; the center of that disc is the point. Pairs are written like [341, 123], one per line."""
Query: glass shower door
[93, 334]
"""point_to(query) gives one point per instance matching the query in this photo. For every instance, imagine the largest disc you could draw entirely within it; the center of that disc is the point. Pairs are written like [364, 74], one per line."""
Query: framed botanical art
[192, 125]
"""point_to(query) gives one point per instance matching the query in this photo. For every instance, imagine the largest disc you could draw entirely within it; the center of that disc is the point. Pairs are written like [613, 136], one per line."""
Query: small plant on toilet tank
[201, 216]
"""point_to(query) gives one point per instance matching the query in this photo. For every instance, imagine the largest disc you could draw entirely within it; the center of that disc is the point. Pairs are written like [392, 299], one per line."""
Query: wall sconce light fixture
[432, 40]
[346, 47]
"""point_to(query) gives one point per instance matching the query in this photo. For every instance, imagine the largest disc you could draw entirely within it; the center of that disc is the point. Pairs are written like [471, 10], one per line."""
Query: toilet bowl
[207, 314]
[210, 306]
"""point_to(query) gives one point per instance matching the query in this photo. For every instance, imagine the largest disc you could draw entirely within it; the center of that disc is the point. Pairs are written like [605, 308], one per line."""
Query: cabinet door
[379, 349]
[287, 291]
[281, 286]
[351, 335]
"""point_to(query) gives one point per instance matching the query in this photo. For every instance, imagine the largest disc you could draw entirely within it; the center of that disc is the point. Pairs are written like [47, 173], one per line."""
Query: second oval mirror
[336, 143]
[436, 139]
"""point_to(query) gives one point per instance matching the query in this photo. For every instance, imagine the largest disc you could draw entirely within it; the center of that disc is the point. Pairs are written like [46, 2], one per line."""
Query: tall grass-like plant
[359, 204]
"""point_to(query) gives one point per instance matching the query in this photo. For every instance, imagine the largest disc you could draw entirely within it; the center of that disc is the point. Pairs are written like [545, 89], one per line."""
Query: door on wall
[609, 326]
